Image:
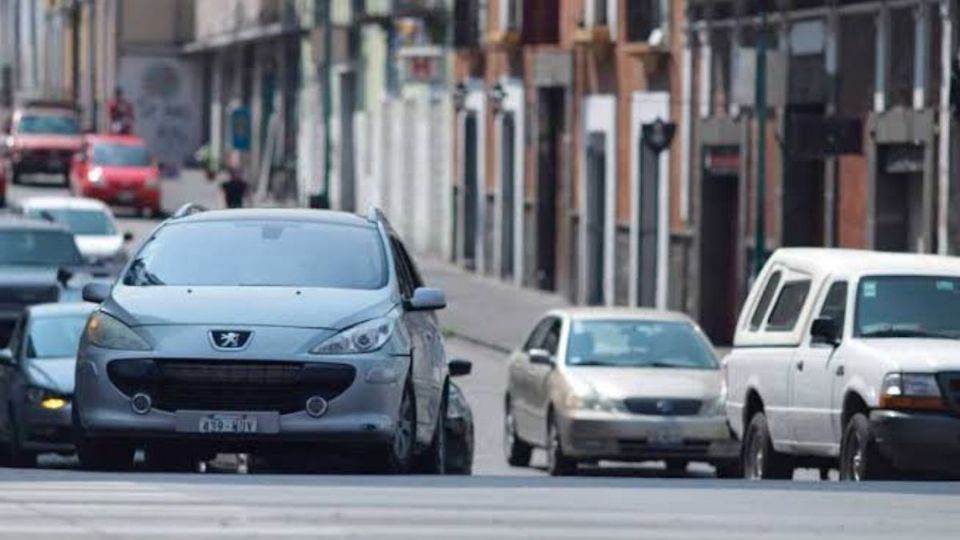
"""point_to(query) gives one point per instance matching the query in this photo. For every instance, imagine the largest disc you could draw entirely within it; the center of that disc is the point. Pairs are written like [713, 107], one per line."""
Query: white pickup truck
[848, 359]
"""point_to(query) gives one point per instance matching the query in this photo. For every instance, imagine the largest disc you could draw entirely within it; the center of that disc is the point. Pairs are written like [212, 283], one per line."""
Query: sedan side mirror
[96, 292]
[427, 299]
[825, 330]
[6, 357]
[460, 367]
[127, 236]
[540, 357]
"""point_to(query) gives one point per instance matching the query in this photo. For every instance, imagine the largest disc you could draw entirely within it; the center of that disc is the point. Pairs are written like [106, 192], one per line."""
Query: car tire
[516, 450]
[860, 458]
[760, 460]
[397, 456]
[18, 457]
[558, 463]
[97, 454]
[434, 460]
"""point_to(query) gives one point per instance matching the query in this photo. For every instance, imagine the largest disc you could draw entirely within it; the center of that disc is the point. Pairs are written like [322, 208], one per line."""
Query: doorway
[470, 188]
[719, 289]
[507, 207]
[550, 114]
[596, 196]
[899, 199]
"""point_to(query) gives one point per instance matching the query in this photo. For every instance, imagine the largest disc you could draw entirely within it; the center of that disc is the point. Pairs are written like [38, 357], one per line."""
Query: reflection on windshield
[121, 155]
[55, 337]
[42, 248]
[49, 125]
[86, 222]
[908, 307]
[638, 343]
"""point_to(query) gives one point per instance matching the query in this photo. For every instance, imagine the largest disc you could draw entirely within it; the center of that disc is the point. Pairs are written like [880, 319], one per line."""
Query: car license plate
[224, 423]
[665, 436]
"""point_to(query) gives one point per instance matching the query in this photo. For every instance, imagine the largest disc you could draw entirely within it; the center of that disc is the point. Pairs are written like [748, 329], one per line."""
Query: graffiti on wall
[165, 94]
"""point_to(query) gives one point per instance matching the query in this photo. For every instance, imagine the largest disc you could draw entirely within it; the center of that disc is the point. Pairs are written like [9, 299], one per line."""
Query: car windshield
[31, 247]
[262, 253]
[121, 155]
[638, 343]
[85, 222]
[908, 306]
[53, 124]
[55, 336]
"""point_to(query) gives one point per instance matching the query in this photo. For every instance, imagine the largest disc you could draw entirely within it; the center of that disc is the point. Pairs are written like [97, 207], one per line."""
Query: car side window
[16, 340]
[789, 305]
[535, 341]
[765, 298]
[402, 269]
[551, 340]
[412, 270]
[835, 304]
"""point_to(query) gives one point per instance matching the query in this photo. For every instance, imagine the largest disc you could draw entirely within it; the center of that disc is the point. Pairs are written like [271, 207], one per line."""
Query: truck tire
[860, 459]
[760, 460]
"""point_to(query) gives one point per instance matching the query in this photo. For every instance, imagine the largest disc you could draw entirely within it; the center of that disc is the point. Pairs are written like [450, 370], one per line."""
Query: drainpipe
[325, 201]
[760, 240]
[947, 52]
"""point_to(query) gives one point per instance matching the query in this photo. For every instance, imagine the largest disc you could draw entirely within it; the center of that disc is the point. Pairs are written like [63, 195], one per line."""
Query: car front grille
[663, 406]
[950, 386]
[640, 447]
[211, 385]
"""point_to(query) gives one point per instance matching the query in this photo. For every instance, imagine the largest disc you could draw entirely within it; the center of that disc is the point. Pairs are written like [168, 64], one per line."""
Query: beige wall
[156, 22]
[215, 17]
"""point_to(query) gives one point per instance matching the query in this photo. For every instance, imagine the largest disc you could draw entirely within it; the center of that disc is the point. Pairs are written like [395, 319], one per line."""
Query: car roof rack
[188, 209]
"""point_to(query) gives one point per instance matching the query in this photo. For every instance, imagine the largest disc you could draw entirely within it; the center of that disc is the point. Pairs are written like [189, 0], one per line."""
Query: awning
[245, 35]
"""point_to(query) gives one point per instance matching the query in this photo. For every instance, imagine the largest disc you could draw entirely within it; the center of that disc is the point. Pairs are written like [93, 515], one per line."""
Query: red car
[118, 170]
[42, 138]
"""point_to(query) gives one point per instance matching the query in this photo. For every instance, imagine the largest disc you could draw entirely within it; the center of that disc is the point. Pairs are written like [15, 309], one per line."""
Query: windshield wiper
[904, 333]
[593, 363]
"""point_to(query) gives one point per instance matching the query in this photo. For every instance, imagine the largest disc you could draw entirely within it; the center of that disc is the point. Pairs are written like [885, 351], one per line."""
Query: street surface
[485, 319]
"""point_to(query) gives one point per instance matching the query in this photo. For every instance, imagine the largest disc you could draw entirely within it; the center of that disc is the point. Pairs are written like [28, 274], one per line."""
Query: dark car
[36, 383]
[459, 425]
[38, 262]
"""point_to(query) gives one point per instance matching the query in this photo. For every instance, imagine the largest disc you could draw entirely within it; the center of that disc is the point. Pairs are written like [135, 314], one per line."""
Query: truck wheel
[860, 458]
[760, 460]
[515, 449]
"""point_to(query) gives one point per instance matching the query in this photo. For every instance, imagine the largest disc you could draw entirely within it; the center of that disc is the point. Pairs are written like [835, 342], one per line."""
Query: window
[551, 341]
[468, 16]
[539, 337]
[55, 337]
[788, 307]
[835, 304]
[52, 125]
[757, 319]
[511, 15]
[643, 18]
[41, 248]
[638, 344]
[121, 155]
[595, 13]
[908, 306]
[83, 222]
[404, 276]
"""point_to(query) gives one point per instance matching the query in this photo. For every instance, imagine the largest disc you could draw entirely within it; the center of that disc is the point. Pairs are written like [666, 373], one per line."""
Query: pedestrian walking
[121, 113]
[234, 189]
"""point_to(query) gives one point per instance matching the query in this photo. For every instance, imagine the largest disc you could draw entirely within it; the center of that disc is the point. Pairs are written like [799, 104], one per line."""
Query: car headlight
[107, 332]
[151, 182]
[48, 399]
[362, 338]
[714, 407]
[917, 391]
[95, 176]
[588, 399]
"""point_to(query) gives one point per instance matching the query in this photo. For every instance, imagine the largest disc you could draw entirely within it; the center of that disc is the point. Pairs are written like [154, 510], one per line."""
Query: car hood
[47, 142]
[53, 373]
[618, 383]
[910, 354]
[99, 246]
[27, 275]
[253, 306]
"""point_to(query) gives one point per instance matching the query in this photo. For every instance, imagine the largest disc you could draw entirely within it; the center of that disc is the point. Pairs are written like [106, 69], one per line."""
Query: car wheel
[558, 464]
[434, 460]
[760, 460]
[515, 449]
[397, 456]
[19, 457]
[860, 458]
[97, 454]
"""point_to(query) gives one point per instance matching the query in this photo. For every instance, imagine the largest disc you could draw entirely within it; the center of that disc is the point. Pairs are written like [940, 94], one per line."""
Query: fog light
[316, 406]
[141, 403]
[53, 403]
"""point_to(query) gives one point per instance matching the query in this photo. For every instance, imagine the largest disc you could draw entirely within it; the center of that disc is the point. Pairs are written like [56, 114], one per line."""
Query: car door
[540, 376]
[521, 381]
[815, 366]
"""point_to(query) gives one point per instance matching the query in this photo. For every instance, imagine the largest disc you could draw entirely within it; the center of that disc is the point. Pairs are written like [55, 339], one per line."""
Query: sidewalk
[484, 310]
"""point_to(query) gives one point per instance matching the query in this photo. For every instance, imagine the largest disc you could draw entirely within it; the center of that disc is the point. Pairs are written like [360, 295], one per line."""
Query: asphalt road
[615, 501]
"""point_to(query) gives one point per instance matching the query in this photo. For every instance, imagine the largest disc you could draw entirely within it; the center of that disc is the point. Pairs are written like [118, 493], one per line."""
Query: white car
[92, 222]
[849, 359]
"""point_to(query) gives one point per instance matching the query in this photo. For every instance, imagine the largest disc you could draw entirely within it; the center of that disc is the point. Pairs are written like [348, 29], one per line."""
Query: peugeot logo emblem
[664, 406]
[230, 340]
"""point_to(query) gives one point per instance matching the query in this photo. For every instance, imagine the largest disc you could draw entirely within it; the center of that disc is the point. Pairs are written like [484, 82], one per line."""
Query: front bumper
[628, 437]
[46, 430]
[134, 196]
[43, 161]
[919, 442]
[363, 413]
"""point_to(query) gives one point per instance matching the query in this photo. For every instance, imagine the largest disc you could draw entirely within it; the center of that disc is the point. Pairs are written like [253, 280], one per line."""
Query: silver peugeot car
[261, 331]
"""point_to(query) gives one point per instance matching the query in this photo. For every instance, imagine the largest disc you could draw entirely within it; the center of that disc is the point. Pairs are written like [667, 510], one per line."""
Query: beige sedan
[618, 385]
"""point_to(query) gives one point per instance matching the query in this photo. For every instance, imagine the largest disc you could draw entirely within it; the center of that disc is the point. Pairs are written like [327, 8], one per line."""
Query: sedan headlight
[591, 400]
[714, 407]
[48, 399]
[916, 391]
[95, 176]
[362, 338]
[109, 333]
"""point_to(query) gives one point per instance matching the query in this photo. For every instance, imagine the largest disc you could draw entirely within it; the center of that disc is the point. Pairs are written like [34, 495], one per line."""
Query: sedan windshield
[42, 248]
[85, 222]
[638, 343]
[53, 124]
[55, 337]
[121, 155]
[262, 253]
[908, 306]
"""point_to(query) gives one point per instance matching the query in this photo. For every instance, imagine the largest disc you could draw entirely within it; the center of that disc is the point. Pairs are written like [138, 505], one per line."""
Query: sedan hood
[99, 246]
[253, 306]
[911, 354]
[619, 383]
[53, 373]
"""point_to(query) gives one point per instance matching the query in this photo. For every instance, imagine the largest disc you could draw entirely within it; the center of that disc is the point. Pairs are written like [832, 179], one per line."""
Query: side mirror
[460, 367]
[540, 357]
[825, 330]
[96, 292]
[427, 299]
[6, 357]
[127, 236]
[64, 275]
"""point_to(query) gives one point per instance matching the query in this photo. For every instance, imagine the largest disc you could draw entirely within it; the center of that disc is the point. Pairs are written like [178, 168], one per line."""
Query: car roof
[115, 139]
[61, 308]
[858, 262]
[63, 203]
[607, 313]
[11, 222]
[280, 214]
